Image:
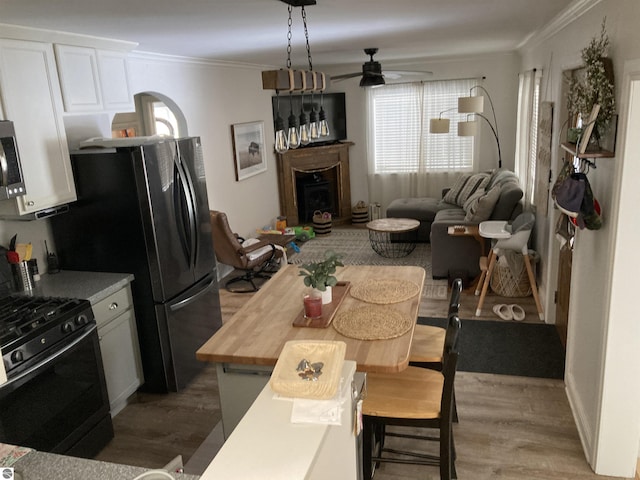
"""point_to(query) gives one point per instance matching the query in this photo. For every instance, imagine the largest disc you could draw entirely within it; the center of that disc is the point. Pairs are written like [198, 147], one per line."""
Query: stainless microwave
[11, 179]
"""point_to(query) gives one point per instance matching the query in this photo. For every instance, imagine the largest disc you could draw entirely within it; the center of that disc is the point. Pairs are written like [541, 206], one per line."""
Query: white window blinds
[398, 123]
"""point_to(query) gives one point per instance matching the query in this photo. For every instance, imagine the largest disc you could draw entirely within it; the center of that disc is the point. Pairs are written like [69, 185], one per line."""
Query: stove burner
[32, 325]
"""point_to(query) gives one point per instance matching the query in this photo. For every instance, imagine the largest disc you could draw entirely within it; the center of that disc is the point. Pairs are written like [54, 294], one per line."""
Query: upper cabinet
[113, 70]
[32, 99]
[93, 80]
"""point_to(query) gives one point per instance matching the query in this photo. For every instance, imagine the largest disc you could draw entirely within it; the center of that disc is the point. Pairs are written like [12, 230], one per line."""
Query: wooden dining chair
[427, 346]
[414, 397]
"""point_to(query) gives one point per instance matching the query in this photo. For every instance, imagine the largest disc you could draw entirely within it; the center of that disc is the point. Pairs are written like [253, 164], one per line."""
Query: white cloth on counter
[319, 412]
[325, 412]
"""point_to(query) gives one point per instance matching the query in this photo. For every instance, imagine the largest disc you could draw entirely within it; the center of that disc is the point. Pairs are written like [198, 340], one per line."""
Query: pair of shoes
[509, 312]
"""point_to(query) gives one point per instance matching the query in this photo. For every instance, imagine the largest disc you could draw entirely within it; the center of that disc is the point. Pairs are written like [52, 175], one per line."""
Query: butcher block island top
[256, 334]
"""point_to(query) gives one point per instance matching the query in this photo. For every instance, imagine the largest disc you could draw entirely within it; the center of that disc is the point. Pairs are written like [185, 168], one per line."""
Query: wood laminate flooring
[510, 427]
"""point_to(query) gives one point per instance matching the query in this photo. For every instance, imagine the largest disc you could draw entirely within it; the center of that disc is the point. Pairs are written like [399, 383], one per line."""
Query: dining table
[247, 347]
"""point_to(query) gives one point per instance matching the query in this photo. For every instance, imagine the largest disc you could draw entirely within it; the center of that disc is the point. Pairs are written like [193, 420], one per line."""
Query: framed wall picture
[249, 149]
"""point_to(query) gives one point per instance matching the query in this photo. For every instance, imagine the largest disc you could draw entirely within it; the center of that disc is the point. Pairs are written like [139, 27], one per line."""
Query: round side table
[393, 237]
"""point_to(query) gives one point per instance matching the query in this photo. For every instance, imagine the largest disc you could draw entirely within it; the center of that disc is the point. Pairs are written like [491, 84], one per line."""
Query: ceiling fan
[372, 74]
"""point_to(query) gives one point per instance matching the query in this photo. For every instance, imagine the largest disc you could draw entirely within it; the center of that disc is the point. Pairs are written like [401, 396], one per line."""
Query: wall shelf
[572, 149]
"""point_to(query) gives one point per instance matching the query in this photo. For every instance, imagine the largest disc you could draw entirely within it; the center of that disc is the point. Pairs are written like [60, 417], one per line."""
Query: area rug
[354, 244]
[507, 348]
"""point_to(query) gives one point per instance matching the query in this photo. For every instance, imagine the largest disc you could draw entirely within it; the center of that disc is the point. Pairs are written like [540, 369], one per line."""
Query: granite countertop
[93, 286]
[48, 466]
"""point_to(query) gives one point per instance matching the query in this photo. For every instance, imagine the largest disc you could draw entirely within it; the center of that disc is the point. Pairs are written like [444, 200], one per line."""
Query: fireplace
[314, 193]
[315, 178]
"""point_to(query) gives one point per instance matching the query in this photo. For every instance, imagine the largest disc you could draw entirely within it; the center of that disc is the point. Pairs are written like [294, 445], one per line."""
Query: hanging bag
[568, 191]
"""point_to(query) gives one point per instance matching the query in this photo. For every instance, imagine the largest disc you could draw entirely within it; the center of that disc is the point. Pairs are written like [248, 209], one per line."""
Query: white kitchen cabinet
[32, 99]
[79, 79]
[113, 69]
[93, 80]
[120, 348]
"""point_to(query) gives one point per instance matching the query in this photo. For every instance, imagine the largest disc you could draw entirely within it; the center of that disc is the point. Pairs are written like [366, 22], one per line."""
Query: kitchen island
[247, 347]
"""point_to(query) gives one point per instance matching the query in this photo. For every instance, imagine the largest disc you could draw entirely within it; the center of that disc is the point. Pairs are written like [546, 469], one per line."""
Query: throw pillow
[480, 208]
[500, 177]
[473, 199]
[466, 186]
[454, 191]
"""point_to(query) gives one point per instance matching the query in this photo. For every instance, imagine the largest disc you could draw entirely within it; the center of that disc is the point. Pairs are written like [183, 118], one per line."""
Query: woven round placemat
[384, 291]
[372, 323]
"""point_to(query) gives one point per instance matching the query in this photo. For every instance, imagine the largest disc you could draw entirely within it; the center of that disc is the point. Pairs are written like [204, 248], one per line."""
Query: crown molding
[19, 32]
[569, 15]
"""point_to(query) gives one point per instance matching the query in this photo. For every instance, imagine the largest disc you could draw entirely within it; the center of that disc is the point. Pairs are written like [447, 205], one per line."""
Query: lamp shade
[467, 129]
[471, 104]
[439, 125]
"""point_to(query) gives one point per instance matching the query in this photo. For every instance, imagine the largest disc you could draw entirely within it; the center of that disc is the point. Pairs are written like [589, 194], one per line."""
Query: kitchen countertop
[48, 466]
[93, 286]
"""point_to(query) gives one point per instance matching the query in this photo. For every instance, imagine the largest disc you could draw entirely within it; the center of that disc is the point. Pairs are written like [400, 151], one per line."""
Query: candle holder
[312, 305]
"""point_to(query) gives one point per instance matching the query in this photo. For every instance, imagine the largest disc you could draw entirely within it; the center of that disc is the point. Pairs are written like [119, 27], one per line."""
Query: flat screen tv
[333, 104]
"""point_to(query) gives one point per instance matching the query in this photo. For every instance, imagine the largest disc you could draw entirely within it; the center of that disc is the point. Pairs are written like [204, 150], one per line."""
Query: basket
[360, 214]
[504, 283]
[321, 223]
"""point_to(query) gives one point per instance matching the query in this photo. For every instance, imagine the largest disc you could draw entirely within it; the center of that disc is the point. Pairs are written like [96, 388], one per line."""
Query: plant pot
[327, 295]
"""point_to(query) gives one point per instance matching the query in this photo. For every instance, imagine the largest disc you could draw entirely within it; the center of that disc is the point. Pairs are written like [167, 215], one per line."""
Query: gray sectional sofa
[474, 198]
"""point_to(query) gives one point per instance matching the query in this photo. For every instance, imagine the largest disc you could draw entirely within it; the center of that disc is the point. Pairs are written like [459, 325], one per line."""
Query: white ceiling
[255, 31]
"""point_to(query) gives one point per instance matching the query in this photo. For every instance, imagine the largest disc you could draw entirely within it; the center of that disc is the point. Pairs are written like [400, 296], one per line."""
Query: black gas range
[55, 398]
[30, 326]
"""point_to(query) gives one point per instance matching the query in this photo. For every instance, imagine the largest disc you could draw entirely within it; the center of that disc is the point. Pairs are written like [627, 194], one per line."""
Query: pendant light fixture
[293, 135]
[314, 131]
[281, 142]
[305, 137]
[297, 81]
[323, 126]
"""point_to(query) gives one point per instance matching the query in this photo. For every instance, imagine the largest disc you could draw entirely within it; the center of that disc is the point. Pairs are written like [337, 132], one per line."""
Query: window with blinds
[399, 127]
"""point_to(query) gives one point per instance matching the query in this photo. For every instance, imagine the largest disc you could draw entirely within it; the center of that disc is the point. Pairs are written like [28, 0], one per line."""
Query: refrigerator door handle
[183, 303]
[186, 199]
[195, 214]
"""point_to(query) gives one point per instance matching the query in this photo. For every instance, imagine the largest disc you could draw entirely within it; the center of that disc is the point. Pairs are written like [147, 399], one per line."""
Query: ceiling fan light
[439, 125]
[471, 104]
[372, 81]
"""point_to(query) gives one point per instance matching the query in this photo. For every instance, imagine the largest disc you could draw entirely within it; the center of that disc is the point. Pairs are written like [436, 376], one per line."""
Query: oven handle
[49, 360]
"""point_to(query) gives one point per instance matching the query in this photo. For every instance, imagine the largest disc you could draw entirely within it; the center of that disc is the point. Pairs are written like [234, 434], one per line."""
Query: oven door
[61, 403]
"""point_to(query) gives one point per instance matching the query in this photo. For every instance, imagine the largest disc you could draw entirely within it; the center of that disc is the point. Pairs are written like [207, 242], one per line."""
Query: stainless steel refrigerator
[143, 209]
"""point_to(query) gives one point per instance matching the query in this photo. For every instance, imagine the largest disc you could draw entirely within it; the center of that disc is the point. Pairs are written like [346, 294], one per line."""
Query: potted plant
[594, 85]
[320, 275]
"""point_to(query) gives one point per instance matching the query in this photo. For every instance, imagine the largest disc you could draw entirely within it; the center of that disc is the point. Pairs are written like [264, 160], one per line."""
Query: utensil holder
[22, 276]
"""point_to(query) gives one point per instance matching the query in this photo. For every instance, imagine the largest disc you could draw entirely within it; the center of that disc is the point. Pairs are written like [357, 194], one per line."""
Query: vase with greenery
[321, 275]
[595, 86]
